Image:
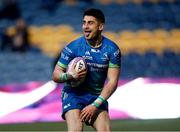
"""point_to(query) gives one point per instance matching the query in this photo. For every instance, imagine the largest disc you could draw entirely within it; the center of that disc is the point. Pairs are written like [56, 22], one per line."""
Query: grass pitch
[117, 125]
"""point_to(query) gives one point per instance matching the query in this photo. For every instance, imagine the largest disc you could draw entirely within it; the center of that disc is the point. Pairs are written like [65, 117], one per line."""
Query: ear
[101, 26]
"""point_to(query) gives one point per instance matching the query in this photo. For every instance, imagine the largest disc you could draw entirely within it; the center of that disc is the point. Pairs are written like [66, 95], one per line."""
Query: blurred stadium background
[147, 31]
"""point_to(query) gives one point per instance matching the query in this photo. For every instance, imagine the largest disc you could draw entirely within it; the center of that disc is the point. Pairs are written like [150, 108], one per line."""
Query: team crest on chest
[105, 57]
[87, 53]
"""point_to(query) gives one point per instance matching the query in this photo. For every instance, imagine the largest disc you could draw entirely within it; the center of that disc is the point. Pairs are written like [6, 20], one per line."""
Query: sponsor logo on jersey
[64, 56]
[96, 69]
[97, 65]
[116, 53]
[95, 50]
[88, 57]
[67, 49]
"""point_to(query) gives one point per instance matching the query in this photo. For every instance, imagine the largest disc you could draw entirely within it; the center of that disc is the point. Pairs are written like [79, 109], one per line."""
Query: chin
[88, 38]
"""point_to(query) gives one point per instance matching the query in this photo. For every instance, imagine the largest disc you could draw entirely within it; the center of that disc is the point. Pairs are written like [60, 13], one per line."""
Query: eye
[83, 22]
[91, 22]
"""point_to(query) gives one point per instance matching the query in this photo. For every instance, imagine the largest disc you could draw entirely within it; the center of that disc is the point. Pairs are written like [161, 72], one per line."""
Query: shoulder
[76, 42]
[110, 44]
[73, 45]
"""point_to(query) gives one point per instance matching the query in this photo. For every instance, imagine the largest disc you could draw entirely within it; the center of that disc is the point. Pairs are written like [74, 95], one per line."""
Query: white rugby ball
[80, 65]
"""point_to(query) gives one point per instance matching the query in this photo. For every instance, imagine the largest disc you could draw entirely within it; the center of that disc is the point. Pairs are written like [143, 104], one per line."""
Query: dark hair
[98, 14]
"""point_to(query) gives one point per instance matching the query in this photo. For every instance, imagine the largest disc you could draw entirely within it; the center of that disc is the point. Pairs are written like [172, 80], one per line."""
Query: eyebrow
[88, 21]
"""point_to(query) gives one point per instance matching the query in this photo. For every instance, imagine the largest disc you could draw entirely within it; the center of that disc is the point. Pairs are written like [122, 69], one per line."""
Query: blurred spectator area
[139, 25]
[51, 39]
[22, 68]
[147, 31]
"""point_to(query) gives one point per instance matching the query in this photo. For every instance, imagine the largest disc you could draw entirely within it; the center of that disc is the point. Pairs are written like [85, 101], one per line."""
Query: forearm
[62, 77]
[110, 87]
[107, 91]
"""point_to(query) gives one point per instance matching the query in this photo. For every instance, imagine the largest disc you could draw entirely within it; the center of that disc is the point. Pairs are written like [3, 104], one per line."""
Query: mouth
[87, 33]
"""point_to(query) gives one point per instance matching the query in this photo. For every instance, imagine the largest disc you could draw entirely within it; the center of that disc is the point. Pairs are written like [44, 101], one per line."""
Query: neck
[95, 42]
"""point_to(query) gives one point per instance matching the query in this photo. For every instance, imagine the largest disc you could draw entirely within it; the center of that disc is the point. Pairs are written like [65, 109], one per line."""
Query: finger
[81, 75]
[87, 117]
[83, 116]
[82, 71]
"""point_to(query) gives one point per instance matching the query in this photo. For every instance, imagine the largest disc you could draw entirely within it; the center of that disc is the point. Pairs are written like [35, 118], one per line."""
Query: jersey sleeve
[66, 56]
[115, 57]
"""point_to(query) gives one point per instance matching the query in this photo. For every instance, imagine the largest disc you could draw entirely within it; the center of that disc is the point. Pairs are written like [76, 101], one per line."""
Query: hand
[77, 74]
[87, 113]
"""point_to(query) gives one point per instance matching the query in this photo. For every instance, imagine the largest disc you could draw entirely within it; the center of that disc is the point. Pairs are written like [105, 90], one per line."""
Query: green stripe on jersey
[61, 65]
[111, 65]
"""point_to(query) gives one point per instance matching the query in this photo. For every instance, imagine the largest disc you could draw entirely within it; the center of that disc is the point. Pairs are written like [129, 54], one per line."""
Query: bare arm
[110, 87]
[56, 74]
[60, 75]
[113, 76]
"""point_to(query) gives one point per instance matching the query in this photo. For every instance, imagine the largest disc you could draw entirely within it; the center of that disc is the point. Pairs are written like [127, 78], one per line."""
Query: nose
[85, 26]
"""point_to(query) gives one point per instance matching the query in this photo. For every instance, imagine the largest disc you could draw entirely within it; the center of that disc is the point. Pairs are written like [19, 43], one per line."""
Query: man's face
[91, 27]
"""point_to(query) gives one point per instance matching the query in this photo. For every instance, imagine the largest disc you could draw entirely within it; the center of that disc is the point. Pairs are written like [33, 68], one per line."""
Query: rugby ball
[80, 65]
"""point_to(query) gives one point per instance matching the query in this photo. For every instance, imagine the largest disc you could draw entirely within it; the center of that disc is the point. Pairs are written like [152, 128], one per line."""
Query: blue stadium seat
[130, 16]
